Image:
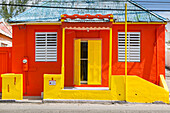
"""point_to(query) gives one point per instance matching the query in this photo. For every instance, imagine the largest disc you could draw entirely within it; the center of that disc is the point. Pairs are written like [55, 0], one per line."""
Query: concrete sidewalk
[82, 108]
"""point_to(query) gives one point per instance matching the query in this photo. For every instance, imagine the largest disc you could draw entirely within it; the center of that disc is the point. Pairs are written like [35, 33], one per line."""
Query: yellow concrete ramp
[142, 91]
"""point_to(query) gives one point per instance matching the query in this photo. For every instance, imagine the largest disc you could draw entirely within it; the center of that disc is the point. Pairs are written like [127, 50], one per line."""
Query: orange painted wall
[151, 65]
[152, 50]
[24, 45]
[5, 62]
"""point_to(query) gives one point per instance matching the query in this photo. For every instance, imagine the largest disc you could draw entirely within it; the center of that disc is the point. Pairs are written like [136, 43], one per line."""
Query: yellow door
[77, 51]
[94, 62]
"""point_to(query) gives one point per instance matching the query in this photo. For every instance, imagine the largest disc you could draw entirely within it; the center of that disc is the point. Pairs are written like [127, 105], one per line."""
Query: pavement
[167, 74]
[83, 108]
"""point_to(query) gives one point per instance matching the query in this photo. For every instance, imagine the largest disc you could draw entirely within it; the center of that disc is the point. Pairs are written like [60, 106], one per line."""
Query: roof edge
[59, 23]
[35, 23]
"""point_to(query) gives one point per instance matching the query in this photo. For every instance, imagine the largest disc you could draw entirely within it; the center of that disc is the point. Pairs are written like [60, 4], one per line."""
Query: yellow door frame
[63, 57]
[110, 59]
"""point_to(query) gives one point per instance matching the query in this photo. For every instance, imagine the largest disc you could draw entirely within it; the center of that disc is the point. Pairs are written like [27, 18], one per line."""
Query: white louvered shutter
[46, 46]
[133, 46]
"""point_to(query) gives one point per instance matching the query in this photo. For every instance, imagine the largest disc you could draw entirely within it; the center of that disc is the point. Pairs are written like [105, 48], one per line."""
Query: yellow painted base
[12, 86]
[138, 90]
[56, 92]
[142, 91]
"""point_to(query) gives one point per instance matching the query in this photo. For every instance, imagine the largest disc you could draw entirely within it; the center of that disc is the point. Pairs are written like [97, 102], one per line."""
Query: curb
[83, 101]
[7, 101]
[21, 101]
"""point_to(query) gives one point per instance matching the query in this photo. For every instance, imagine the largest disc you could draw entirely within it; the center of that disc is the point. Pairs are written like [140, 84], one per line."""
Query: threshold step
[86, 88]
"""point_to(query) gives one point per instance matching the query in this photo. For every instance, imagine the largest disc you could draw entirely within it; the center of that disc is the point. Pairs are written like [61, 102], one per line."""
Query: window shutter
[133, 46]
[46, 46]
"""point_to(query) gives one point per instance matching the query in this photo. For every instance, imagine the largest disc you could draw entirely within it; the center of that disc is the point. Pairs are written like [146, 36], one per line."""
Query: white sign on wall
[52, 82]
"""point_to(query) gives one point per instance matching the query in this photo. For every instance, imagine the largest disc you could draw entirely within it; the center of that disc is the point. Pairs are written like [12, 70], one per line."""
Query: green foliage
[8, 12]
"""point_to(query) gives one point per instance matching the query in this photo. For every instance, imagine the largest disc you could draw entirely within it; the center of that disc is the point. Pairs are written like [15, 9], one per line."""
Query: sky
[157, 5]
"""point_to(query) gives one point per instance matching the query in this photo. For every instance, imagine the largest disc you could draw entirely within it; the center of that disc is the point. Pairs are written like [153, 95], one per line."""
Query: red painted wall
[151, 65]
[24, 45]
[5, 62]
[152, 52]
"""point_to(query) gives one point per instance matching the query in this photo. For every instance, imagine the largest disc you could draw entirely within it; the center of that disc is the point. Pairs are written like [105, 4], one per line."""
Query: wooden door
[77, 51]
[94, 62]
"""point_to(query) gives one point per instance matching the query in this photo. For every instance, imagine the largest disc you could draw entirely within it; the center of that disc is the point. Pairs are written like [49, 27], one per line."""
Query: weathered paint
[138, 90]
[152, 41]
[12, 86]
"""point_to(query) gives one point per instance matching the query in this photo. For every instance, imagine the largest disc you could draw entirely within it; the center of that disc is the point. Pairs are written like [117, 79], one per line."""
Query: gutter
[36, 23]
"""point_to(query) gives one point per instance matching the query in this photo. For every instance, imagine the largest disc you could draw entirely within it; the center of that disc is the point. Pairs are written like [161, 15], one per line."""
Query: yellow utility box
[12, 86]
[52, 84]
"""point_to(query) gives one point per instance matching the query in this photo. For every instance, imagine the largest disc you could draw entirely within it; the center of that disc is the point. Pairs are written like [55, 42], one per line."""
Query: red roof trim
[86, 16]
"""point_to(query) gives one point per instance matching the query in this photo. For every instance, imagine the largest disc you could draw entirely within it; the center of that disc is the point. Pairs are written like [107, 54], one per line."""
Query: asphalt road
[83, 108]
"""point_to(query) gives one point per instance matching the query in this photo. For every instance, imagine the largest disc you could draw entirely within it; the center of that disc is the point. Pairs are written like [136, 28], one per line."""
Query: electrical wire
[57, 7]
[167, 10]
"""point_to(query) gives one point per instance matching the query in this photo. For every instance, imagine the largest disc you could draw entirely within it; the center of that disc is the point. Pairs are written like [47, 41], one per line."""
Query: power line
[151, 1]
[91, 1]
[82, 8]
[113, 1]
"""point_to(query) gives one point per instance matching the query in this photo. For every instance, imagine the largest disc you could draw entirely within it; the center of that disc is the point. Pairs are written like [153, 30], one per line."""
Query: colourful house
[76, 50]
